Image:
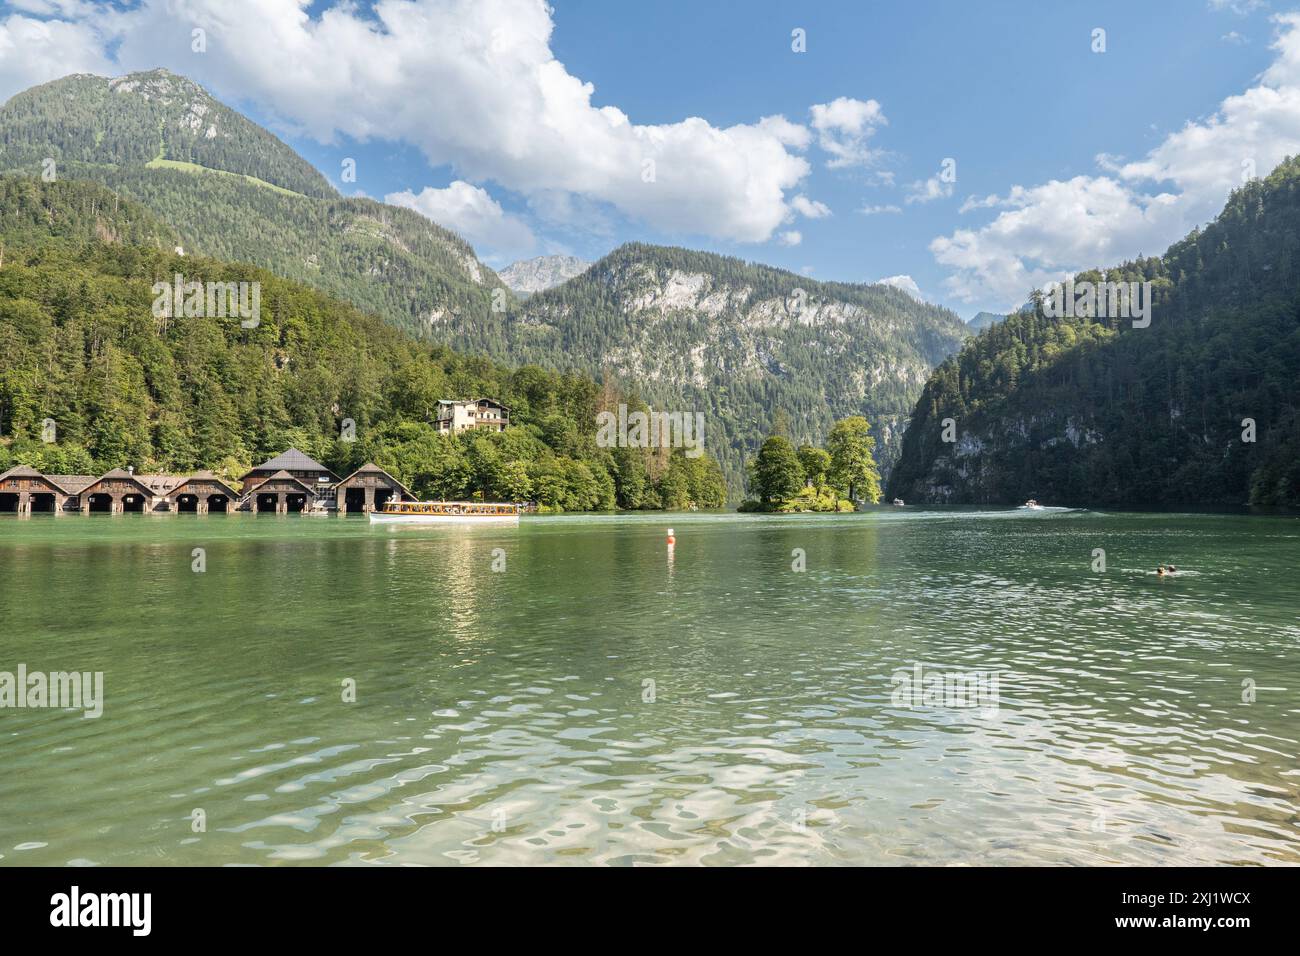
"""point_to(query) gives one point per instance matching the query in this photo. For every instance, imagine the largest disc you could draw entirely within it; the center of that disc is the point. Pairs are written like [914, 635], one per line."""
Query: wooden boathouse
[289, 483]
[28, 490]
[366, 490]
[202, 493]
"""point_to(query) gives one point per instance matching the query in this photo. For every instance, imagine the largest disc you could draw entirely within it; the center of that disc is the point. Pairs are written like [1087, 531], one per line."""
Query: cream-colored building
[482, 413]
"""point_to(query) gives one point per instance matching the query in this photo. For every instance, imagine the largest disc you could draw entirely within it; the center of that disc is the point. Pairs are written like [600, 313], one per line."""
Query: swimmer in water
[1171, 569]
[1160, 571]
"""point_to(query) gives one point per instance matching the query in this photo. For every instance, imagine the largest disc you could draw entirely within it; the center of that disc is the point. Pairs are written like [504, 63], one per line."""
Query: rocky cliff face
[544, 272]
[737, 341]
[1197, 407]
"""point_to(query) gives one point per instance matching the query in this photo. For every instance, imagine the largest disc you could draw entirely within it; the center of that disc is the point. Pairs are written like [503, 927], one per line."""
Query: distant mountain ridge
[544, 272]
[81, 346]
[748, 344]
[738, 341]
[1200, 408]
[234, 191]
[982, 320]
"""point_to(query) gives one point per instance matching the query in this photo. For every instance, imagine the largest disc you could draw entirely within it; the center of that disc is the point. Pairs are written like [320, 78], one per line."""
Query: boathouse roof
[119, 474]
[292, 460]
[209, 477]
[21, 471]
[27, 471]
[73, 484]
[162, 484]
[370, 468]
[282, 475]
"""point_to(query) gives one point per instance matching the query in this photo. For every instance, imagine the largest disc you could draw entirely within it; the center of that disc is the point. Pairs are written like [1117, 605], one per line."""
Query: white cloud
[992, 201]
[1047, 231]
[472, 83]
[904, 282]
[791, 237]
[1240, 7]
[879, 210]
[474, 214]
[809, 208]
[844, 128]
[929, 190]
[37, 51]
[1233, 37]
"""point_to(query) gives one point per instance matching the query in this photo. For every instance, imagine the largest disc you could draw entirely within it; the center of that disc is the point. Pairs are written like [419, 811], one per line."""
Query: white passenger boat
[445, 512]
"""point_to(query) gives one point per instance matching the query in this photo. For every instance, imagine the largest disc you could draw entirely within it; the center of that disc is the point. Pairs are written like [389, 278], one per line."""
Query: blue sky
[1014, 93]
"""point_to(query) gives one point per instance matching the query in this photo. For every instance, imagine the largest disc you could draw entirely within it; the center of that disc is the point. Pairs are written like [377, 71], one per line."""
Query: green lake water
[602, 701]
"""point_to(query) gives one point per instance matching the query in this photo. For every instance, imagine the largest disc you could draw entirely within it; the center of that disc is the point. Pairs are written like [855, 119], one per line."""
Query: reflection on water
[607, 699]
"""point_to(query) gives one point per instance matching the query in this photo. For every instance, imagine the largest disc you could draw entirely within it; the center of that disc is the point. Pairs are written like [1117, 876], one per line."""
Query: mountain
[233, 191]
[534, 275]
[982, 320]
[146, 120]
[1199, 408]
[82, 343]
[745, 344]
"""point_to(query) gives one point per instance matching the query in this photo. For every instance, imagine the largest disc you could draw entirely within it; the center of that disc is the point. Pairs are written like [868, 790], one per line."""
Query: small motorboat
[445, 512]
[1031, 505]
[898, 503]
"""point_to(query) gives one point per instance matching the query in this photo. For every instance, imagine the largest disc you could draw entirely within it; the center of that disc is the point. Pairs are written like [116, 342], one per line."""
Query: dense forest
[687, 330]
[81, 344]
[1200, 408]
[835, 478]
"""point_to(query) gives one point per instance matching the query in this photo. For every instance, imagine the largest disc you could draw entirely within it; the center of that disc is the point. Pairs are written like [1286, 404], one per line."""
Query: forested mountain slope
[737, 341]
[81, 344]
[741, 343]
[1080, 411]
[234, 191]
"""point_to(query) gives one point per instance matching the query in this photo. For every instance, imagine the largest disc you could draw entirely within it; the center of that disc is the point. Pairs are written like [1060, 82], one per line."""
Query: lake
[569, 692]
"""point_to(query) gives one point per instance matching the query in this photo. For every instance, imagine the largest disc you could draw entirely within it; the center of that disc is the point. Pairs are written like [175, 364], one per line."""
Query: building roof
[22, 471]
[27, 471]
[282, 475]
[73, 484]
[162, 484]
[205, 476]
[370, 468]
[292, 460]
[474, 401]
[119, 474]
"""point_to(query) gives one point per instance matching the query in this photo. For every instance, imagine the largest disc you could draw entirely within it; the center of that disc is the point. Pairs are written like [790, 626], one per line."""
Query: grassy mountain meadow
[1085, 411]
[80, 343]
[682, 330]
